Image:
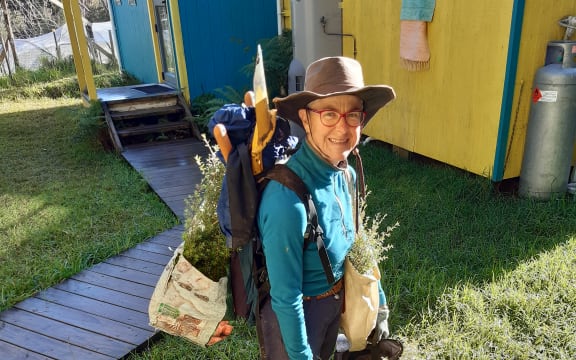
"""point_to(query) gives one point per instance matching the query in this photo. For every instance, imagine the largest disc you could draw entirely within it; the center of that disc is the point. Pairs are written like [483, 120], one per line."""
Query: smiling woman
[302, 316]
[66, 203]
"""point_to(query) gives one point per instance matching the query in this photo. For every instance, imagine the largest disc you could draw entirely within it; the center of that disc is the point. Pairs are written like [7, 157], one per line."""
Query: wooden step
[134, 114]
[137, 119]
[150, 102]
[154, 128]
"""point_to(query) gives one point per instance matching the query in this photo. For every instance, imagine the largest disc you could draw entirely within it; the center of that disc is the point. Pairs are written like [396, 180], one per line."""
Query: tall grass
[56, 79]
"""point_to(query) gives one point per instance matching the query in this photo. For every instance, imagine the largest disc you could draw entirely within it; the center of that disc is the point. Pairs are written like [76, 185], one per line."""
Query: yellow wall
[452, 112]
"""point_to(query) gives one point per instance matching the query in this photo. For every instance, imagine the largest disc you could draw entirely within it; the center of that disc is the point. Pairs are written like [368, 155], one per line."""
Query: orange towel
[414, 49]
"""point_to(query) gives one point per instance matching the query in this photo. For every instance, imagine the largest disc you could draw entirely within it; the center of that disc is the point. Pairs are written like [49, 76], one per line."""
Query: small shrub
[369, 247]
[92, 125]
[204, 243]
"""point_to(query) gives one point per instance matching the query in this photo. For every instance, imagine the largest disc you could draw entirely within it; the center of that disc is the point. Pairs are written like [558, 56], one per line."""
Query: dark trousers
[322, 323]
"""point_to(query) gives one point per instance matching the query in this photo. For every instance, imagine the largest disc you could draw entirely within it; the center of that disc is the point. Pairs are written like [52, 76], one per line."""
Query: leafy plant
[277, 53]
[204, 106]
[92, 125]
[204, 243]
[369, 247]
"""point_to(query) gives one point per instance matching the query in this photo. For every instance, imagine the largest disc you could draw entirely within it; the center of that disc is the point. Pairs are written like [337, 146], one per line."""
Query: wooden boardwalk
[102, 312]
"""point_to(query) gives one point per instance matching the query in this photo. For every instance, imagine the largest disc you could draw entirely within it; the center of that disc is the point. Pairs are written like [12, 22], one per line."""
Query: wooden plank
[175, 197]
[106, 295]
[140, 265]
[95, 307]
[116, 284]
[82, 320]
[124, 115]
[130, 275]
[68, 334]
[179, 189]
[10, 351]
[153, 128]
[187, 149]
[168, 182]
[112, 129]
[178, 169]
[160, 249]
[145, 102]
[173, 234]
[147, 256]
[177, 208]
[173, 243]
[178, 181]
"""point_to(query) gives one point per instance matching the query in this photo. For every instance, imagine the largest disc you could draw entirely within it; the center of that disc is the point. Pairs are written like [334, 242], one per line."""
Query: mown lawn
[65, 203]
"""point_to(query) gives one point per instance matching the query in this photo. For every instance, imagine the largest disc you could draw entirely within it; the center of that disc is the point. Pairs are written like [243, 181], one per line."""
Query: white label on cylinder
[548, 96]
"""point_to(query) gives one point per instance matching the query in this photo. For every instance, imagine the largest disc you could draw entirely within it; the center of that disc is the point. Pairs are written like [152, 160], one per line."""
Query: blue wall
[135, 40]
[220, 38]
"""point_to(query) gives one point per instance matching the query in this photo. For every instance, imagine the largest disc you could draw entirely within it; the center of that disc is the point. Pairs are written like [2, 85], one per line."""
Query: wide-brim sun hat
[331, 76]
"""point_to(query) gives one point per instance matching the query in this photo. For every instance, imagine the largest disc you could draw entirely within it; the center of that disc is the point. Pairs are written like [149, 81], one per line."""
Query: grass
[66, 203]
[473, 273]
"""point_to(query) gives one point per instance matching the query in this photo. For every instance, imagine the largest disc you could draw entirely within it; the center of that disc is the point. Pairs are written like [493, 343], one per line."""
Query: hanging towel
[414, 49]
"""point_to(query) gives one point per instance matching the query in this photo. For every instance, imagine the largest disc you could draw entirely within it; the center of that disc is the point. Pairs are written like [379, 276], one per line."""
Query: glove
[381, 329]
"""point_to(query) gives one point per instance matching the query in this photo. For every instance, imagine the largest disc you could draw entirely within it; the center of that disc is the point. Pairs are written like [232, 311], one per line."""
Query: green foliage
[92, 125]
[204, 106]
[369, 246]
[57, 78]
[277, 54]
[204, 243]
[51, 69]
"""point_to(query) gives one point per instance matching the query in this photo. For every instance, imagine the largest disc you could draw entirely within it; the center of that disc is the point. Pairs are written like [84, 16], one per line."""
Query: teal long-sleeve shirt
[282, 221]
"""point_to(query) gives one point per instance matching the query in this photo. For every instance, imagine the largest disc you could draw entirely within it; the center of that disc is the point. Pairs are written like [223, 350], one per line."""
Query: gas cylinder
[551, 130]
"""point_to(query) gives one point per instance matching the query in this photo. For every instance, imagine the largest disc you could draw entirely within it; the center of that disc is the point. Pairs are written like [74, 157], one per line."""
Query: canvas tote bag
[186, 303]
[361, 301]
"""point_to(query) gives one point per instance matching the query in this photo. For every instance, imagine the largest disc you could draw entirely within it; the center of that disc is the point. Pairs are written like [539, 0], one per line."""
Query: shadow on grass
[66, 203]
[454, 228]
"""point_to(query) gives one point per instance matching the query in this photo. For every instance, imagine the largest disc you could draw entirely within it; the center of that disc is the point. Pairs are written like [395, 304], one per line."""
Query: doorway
[164, 32]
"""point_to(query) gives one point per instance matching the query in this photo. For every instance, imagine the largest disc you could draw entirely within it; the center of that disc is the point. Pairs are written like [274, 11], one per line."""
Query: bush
[204, 244]
[277, 53]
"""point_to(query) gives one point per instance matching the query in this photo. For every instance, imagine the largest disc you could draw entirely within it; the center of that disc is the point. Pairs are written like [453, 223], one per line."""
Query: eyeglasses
[331, 118]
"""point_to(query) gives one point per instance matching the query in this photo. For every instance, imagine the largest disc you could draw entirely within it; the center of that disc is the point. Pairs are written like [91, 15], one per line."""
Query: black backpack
[239, 201]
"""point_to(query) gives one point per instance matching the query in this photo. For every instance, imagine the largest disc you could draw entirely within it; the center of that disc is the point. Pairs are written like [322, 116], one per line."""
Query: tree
[36, 17]
[10, 34]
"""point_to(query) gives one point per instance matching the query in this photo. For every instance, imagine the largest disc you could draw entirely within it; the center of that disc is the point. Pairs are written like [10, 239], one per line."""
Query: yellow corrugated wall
[452, 112]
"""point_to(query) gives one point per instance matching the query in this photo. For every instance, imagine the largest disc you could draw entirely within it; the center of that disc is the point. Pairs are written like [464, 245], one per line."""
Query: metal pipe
[323, 22]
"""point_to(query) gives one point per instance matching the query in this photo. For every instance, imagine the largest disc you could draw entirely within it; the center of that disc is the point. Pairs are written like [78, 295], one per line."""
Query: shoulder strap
[314, 233]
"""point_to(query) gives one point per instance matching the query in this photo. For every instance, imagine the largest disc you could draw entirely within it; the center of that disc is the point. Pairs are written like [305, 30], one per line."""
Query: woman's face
[336, 142]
